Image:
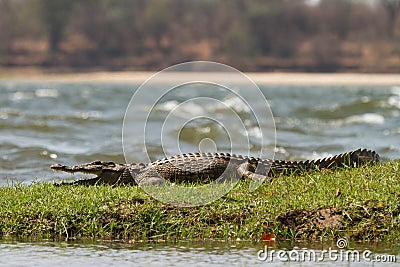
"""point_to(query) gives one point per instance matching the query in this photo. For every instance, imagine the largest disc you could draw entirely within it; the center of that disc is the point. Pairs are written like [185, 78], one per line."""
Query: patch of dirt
[370, 220]
[311, 223]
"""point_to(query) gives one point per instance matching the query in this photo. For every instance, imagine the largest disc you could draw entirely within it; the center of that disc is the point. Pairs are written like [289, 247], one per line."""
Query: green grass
[359, 204]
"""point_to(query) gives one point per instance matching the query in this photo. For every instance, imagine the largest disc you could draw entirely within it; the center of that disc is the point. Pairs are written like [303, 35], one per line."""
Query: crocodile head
[106, 172]
[95, 167]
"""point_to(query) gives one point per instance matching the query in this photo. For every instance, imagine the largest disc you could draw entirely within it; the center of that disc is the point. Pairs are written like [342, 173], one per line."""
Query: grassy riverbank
[360, 204]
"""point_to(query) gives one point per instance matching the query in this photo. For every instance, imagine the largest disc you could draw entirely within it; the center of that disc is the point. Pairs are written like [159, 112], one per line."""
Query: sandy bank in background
[259, 78]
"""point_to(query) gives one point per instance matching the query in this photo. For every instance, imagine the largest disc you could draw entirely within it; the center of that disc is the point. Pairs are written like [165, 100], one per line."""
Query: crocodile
[202, 167]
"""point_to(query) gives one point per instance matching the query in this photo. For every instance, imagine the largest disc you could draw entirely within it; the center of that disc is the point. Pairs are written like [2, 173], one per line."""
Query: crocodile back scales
[210, 166]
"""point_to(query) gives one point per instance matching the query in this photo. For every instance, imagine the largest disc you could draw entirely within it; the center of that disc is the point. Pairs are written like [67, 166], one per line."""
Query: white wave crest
[370, 118]
[236, 104]
[17, 96]
[199, 108]
[51, 93]
[167, 106]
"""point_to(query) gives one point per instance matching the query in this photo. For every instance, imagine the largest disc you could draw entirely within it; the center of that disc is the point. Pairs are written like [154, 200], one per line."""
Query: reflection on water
[204, 253]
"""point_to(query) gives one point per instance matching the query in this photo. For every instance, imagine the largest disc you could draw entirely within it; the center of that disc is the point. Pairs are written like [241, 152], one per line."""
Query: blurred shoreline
[262, 78]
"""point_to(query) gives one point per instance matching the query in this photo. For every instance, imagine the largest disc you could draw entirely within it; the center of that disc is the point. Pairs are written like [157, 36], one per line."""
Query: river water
[70, 123]
[205, 253]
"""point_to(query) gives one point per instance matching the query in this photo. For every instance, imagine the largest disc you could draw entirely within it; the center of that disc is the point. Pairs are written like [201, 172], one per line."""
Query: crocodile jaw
[96, 167]
[73, 169]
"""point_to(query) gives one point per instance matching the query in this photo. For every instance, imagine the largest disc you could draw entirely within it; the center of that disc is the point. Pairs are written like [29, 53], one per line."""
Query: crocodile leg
[246, 170]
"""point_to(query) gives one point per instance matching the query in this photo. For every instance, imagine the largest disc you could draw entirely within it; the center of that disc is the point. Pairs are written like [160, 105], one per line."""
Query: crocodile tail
[354, 158]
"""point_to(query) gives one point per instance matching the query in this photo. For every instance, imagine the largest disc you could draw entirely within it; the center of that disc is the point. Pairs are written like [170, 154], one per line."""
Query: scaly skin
[202, 167]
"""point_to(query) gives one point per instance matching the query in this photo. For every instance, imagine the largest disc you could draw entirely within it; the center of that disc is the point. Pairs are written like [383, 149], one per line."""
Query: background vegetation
[253, 35]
